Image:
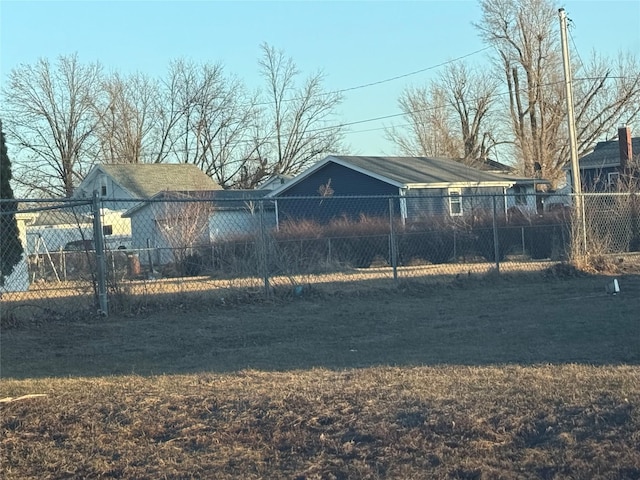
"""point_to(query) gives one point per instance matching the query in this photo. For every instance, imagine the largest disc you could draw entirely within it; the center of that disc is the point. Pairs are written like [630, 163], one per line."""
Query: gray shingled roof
[233, 199]
[422, 170]
[219, 199]
[607, 154]
[147, 179]
[60, 217]
[494, 166]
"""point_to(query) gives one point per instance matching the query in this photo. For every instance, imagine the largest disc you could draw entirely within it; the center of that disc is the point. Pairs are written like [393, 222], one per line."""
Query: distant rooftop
[607, 154]
[422, 170]
[219, 199]
[144, 180]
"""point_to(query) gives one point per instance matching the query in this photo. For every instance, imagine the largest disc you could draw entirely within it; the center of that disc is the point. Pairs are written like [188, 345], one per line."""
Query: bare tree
[607, 95]
[524, 33]
[209, 120]
[51, 118]
[128, 126]
[184, 226]
[299, 122]
[67, 117]
[529, 56]
[450, 117]
[471, 95]
[430, 130]
[171, 111]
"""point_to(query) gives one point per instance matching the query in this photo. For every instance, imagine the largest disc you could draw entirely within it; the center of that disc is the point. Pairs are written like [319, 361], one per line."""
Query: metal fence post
[150, 259]
[585, 250]
[392, 240]
[262, 252]
[635, 227]
[496, 241]
[101, 267]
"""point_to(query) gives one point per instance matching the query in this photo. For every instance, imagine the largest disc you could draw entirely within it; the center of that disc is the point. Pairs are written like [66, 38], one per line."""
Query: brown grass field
[488, 377]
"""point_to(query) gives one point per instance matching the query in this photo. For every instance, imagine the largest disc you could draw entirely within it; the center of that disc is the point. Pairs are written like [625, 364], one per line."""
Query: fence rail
[94, 253]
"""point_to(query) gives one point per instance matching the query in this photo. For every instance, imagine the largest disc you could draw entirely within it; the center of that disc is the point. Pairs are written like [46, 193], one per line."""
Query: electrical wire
[573, 42]
[380, 82]
[397, 77]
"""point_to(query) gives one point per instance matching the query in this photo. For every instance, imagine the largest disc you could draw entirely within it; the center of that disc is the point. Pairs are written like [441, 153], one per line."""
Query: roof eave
[602, 165]
[295, 180]
[337, 160]
[415, 186]
[134, 209]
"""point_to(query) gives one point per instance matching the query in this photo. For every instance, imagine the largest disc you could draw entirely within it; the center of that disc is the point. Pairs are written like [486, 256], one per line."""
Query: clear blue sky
[354, 43]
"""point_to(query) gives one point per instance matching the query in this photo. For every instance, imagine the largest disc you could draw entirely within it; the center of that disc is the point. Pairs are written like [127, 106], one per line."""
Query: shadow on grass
[465, 320]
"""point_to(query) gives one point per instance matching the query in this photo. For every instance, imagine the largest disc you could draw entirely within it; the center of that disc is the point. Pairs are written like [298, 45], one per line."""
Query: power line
[420, 110]
[573, 42]
[397, 77]
[495, 95]
[386, 80]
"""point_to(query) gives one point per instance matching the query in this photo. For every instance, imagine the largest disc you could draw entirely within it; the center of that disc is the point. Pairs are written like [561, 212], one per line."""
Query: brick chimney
[626, 149]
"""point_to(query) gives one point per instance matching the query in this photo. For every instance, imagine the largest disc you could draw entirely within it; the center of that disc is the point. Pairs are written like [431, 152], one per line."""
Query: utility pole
[576, 181]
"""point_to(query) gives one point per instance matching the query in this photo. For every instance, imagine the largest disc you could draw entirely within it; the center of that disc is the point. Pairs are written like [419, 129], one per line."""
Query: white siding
[40, 239]
[229, 224]
[144, 231]
[95, 182]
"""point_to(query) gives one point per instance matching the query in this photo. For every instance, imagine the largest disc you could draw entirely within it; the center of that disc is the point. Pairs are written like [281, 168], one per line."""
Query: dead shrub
[563, 270]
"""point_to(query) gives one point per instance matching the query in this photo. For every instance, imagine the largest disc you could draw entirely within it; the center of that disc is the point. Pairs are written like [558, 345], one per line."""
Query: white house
[167, 225]
[120, 186]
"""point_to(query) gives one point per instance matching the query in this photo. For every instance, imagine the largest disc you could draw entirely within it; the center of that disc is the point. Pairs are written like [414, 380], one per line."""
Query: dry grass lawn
[490, 378]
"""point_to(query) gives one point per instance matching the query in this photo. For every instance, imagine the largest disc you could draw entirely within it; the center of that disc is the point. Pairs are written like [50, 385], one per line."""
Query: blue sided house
[415, 188]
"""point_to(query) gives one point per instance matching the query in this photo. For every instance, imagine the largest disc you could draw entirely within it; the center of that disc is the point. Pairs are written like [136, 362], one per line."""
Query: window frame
[455, 199]
[104, 189]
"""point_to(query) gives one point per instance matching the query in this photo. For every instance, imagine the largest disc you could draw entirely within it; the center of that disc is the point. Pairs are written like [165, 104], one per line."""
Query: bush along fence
[100, 249]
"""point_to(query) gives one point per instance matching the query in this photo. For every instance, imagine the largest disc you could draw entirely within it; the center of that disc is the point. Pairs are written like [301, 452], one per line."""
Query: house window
[613, 179]
[107, 229]
[103, 186]
[455, 202]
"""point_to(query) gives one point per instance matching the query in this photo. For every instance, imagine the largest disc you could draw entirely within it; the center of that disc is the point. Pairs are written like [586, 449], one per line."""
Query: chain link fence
[85, 254]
